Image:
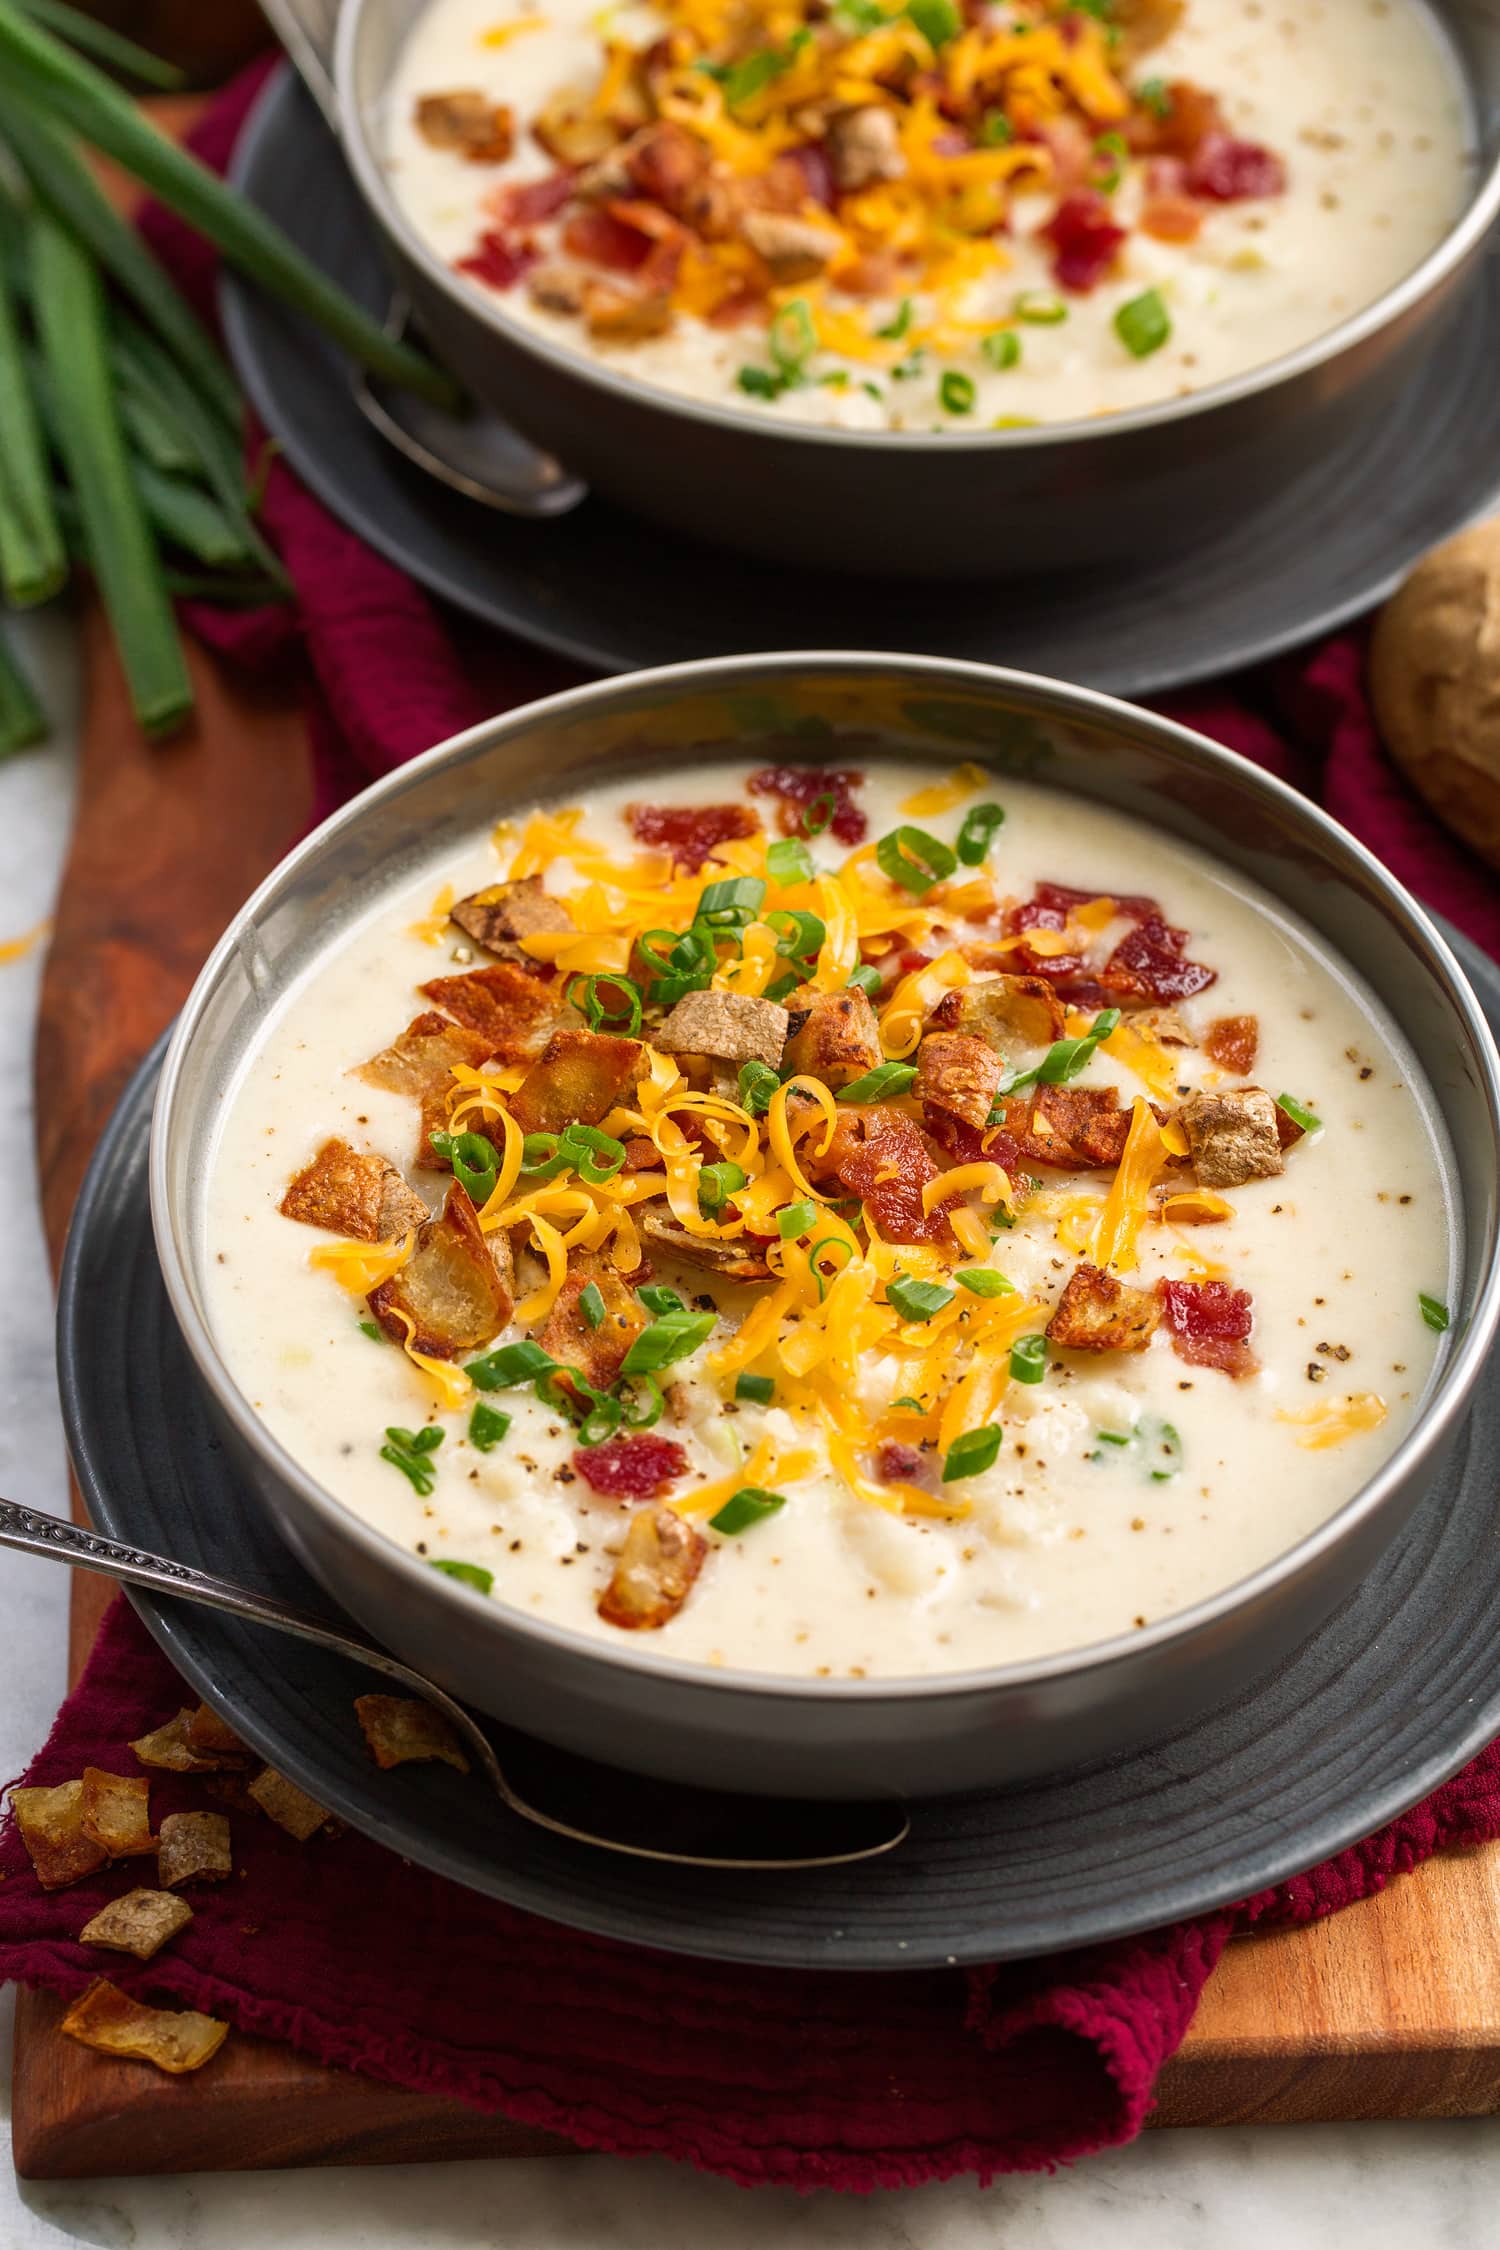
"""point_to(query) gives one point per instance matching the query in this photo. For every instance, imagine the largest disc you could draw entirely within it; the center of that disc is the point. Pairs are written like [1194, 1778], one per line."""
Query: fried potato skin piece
[354, 1193]
[656, 1571]
[501, 1003]
[193, 1848]
[171, 1749]
[597, 1353]
[1004, 1011]
[117, 1812]
[736, 1259]
[138, 1922]
[1232, 1137]
[832, 1036]
[1096, 1313]
[958, 1073]
[290, 1807]
[502, 914]
[456, 1287]
[577, 1079]
[402, 1730]
[423, 1058]
[734, 1027]
[469, 123]
[108, 2020]
[58, 1845]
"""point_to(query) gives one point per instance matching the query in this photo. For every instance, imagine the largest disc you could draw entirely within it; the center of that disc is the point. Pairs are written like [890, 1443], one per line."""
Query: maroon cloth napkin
[360, 1959]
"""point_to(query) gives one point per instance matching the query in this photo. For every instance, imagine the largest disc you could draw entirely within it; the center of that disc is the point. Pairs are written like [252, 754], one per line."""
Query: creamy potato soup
[947, 214]
[833, 1222]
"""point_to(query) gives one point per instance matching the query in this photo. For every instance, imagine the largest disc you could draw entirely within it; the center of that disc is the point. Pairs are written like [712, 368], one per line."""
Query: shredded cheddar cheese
[1322, 1426]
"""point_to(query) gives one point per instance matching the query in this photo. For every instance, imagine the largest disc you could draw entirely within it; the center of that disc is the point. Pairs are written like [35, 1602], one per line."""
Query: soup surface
[932, 1241]
[930, 216]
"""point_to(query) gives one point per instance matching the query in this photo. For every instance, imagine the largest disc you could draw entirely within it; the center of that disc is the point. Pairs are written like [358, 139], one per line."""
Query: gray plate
[1391, 1697]
[616, 594]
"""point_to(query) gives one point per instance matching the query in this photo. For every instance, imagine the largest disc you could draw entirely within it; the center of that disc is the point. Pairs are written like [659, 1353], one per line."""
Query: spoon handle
[34, 1533]
[307, 30]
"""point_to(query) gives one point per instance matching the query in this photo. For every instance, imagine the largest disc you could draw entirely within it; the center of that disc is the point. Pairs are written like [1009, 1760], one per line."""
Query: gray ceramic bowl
[951, 503]
[628, 1705]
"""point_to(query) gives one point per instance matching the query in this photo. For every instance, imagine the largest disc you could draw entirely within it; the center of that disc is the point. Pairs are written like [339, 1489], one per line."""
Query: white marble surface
[1298, 2188]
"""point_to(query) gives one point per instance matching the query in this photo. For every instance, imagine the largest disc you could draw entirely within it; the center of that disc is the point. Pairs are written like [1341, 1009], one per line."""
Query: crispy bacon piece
[643, 1155]
[469, 123]
[354, 1193]
[1096, 1313]
[503, 914]
[960, 1074]
[800, 787]
[896, 1463]
[1041, 913]
[1176, 127]
[1232, 1137]
[497, 260]
[1232, 1042]
[741, 1258]
[666, 164]
[402, 1730]
[108, 2019]
[878, 1154]
[1210, 1324]
[832, 1036]
[577, 1079]
[658, 1564]
[966, 1144]
[1150, 962]
[1167, 217]
[51, 1824]
[502, 1004]
[597, 1353]
[1005, 1011]
[1226, 170]
[735, 1027]
[1074, 1128]
[528, 203]
[456, 1289]
[140, 1922]
[639, 1467]
[1085, 240]
[690, 832]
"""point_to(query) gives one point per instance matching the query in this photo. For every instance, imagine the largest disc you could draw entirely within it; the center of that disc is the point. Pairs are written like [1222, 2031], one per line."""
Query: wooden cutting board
[1389, 2010]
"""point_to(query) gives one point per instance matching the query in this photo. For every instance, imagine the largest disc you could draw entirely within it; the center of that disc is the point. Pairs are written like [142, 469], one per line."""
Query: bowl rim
[1463, 238]
[1053, 698]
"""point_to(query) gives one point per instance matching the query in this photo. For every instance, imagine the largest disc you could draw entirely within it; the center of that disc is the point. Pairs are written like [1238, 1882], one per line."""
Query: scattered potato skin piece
[290, 1807]
[116, 1812]
[170, 1748]
[354, 1193]
[193, 1848]
[1167, 1028]
[402, 1730]
[138, 1922]
[734, 1027]
[832, 1036]
[501, 1003]
[1233, 1042]
[958, 1073]
[1232, 1137]
[108, 2020]
[658, 1564]
[211, 1736]
[597, 1353]
[736, 1260]
[467, 122]
[577, 1079]
[57, 1843]
[1004, 1011]
[1096, 1313]
[422, 1060]
[500, 916]
[456, 1288]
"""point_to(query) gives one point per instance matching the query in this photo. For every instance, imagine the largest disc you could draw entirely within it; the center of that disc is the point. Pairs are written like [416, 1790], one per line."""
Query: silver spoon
[473, 452]
[712, 1830]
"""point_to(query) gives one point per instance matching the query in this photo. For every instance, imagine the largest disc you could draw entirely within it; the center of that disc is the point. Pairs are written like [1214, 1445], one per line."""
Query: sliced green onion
[913, 1405]
[755, 1390]
[1001, 348]
[972, 1453]
[1298, 1114]
[605, 1014]
[789, 861]
[792, 338]
[827, 1243]
[512, 1364]
[983, 1281]
[641, 1402]
[540, 1155]
[877, 1085]
[982, 823]
[817, 815]
[956, 392]
[718, 1182]
[68, 304]
[487, 1426]
[745, 79]
[594, 1156]
[23, 722]
[896, 328]
[1154, 95]
[799, 936]
[731, 905]
[1114, 1437]
[795, 1219]
[467, 1574]
[996, 130]
[937, 20]
[1164, 1447]
[658, 1299]
[783, 987]
[1116, 153]
[914, 860]
[44, 74]
[917, 1300]
[601, 1421]
[1039, 308]
[758, 1082]
[411, 1452]
[1028, 1359]
[475, 1162]
[1063, 1061]
[759, 382]
[1144, 324]
[1434, 1311]
[373, 1330]
[866, 979]
[591, 1304]
[747, 1506]
[33, 558]
[675, 1336]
